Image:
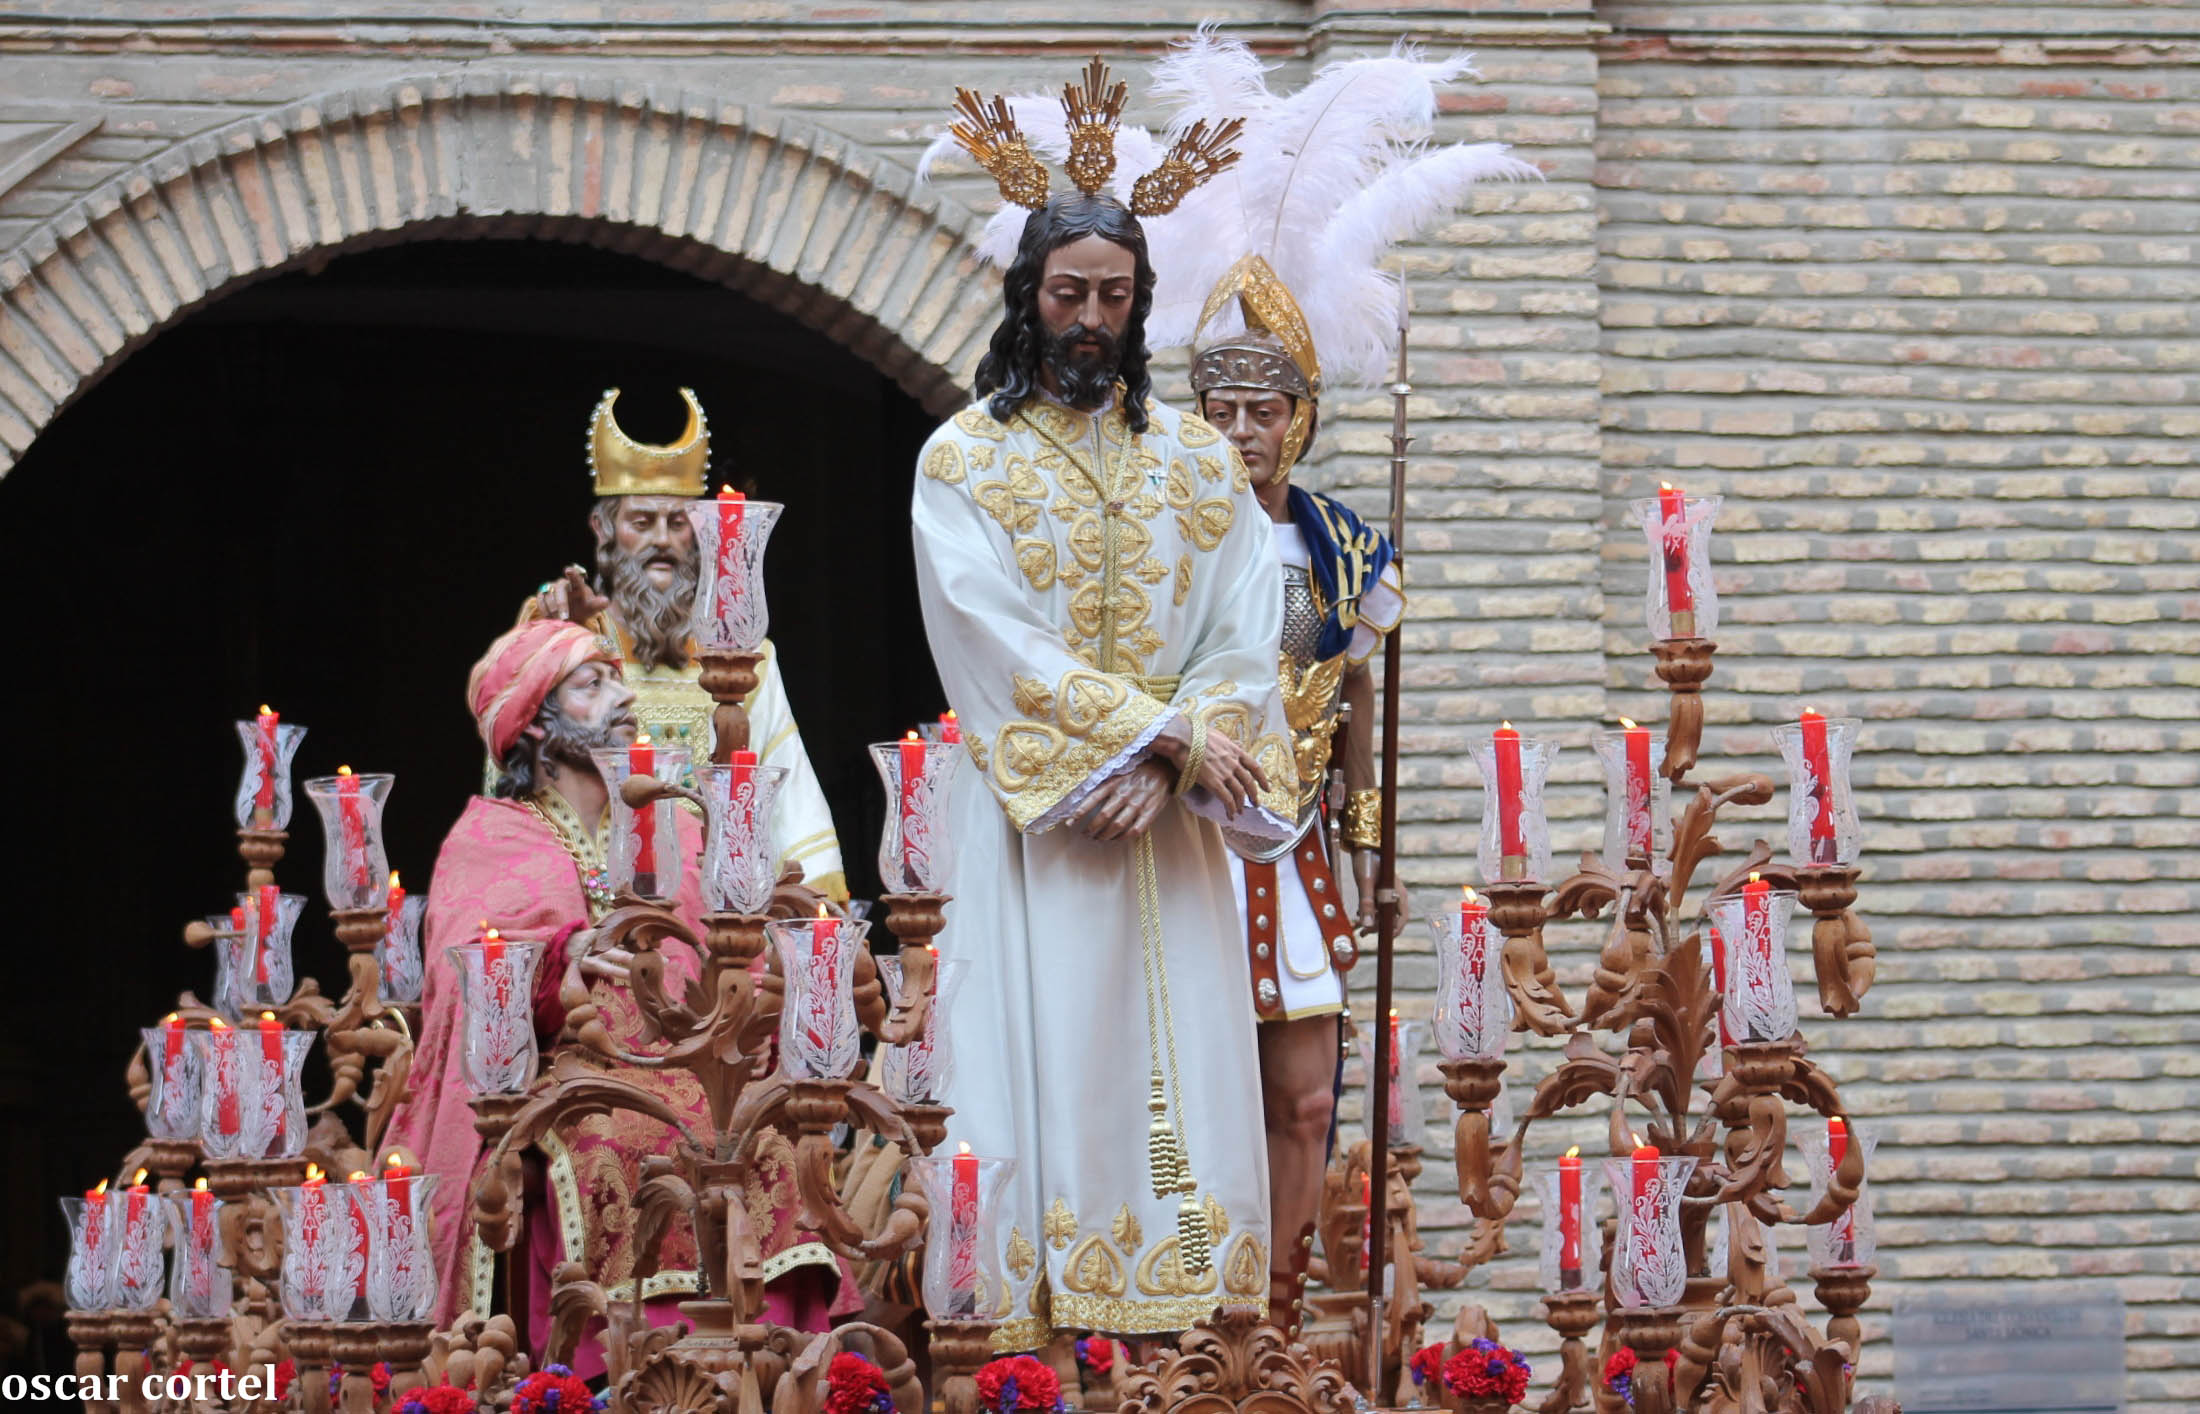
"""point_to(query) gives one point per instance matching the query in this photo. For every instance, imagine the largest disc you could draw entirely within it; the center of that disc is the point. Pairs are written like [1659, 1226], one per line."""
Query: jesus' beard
[655, 618]
[1084, 380]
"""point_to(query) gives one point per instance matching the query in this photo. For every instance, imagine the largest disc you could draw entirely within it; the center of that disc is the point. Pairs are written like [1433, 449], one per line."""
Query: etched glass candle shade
[1583, 1271]
[819, 1038]
[1649, 1265]
[199, 1286]
[916, 1074]
[1847, 1241]
[1759, 1000]
[1680, 558]
[963, 1278]
[1474, 1012]
[496, 989]
[324, 1254]
[1533, 862]
[263, 795]
[95, 1240]
[1638, 803]
[253, 971]
[251, 1104]
[401, 1280]
[740, 864]
[915, 852]
[397, 958]
[645, 858]
[1822, 828]
[139, 1268]
[172, 1102]
[1404, 1120]
[355, 867]
[731, 614]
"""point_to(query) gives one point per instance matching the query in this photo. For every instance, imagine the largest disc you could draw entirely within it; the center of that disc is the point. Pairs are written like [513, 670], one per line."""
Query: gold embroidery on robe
[944, 463]
[1060, 1225]
[1128, 1234]
[1092, 1269]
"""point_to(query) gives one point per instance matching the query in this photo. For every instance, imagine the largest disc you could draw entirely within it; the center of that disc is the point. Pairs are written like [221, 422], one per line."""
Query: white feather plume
[1330, 178]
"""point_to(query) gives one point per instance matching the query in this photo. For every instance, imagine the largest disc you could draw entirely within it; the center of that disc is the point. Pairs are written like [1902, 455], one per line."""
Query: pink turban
[507, 687]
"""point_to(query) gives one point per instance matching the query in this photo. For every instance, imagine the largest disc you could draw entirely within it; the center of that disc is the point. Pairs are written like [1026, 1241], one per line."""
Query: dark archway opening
[328, 492]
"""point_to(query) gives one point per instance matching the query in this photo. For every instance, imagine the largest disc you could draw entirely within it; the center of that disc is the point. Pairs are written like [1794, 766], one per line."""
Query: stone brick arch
[801, 218]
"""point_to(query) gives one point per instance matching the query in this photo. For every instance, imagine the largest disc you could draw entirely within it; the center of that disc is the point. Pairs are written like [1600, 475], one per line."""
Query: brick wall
[1910, 286]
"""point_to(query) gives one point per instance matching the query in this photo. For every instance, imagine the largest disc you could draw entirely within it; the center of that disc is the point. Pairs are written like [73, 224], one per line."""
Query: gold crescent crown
[1093, 109]
[622, 466]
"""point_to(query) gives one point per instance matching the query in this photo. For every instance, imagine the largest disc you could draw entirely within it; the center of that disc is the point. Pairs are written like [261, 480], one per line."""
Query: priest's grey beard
[656, 619]
[1084, 381]
[565, 743]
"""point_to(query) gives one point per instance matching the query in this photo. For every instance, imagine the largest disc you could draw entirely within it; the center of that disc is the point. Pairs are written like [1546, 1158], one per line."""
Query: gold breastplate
[1310, 687]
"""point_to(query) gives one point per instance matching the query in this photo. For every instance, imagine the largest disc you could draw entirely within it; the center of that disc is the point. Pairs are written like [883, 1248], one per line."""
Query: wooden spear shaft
[1387, 901]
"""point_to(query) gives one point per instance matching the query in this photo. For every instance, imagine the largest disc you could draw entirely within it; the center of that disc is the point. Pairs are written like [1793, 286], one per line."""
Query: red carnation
[286, 1371]
[1018, 1382]
[1484, 1368]
[1097, 1352]
[1619, 1373]
[444, 1398]
[553, 1389]
[1427, 1363]
[854, 1385]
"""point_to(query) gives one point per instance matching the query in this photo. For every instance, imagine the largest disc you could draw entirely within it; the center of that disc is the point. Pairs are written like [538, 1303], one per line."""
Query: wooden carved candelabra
[1739, 1341]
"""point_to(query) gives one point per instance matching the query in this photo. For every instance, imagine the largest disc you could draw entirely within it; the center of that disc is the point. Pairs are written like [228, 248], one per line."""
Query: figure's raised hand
[572, 598]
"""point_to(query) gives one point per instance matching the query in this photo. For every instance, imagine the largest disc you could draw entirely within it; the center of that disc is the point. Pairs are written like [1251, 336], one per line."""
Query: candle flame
[724, 489]
[1394, 1013]
[1636, 1137]
[822, 911]
[1505, 726]
[1574, 1152]
[642, 740]
[343, 770]
[1665, 486]
[1753, 876]
[392, 1162]
[102, 1186]
[490, 935]
[266, 1016]
[168, 1018]
[139, 1179]
[200, 1186]
[951, 715]
[266, 711]
[1628, 722]
[962, 1148]
[1834, 1124]
[314, 1174]
[215, 1023]
[911, 737]
[394, 881]
[357, 1176]
[1466, 893]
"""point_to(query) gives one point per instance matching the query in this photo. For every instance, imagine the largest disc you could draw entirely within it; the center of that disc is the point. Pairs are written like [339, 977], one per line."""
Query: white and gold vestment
[1082, 586]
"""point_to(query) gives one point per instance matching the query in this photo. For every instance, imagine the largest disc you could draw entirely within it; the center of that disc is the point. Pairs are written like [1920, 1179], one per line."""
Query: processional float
[267, 1263]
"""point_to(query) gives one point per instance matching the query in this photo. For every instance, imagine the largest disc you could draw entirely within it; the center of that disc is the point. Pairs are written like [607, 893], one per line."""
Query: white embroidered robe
[1081, 587]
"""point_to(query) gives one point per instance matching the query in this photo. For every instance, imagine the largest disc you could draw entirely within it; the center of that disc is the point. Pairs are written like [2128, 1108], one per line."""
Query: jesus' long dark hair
[1009, 372]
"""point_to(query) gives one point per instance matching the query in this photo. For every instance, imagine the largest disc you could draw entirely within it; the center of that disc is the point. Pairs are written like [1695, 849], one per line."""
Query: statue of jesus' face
[1086, 292]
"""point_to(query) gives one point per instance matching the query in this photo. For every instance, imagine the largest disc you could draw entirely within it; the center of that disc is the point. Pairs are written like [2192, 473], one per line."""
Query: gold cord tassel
[1194, 1242]
[1164, 1156]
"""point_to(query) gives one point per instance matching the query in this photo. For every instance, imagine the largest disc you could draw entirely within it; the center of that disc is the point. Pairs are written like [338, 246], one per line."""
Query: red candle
[271, 1058]
[171, 1042]
[1680, 600]
[1645, 1179]
[355, 1205]
[824, 962]
[263, 799]
[137, 1192]
[743, 782]
[492, 964]
[730, 508]
[1818, 766]
[312, 1214]
[1511, 847]
[354, 827]
[950, 727]
[641, 760]
[912, 779]
[200, 1272]
[1844, 1222]
[268, 906]
[221, 1055]
[1569, 1219]
[396, 921]
[399, 1177]
[962, 1261]
[1718, 978]
[95, 1218]
[1637, 787]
